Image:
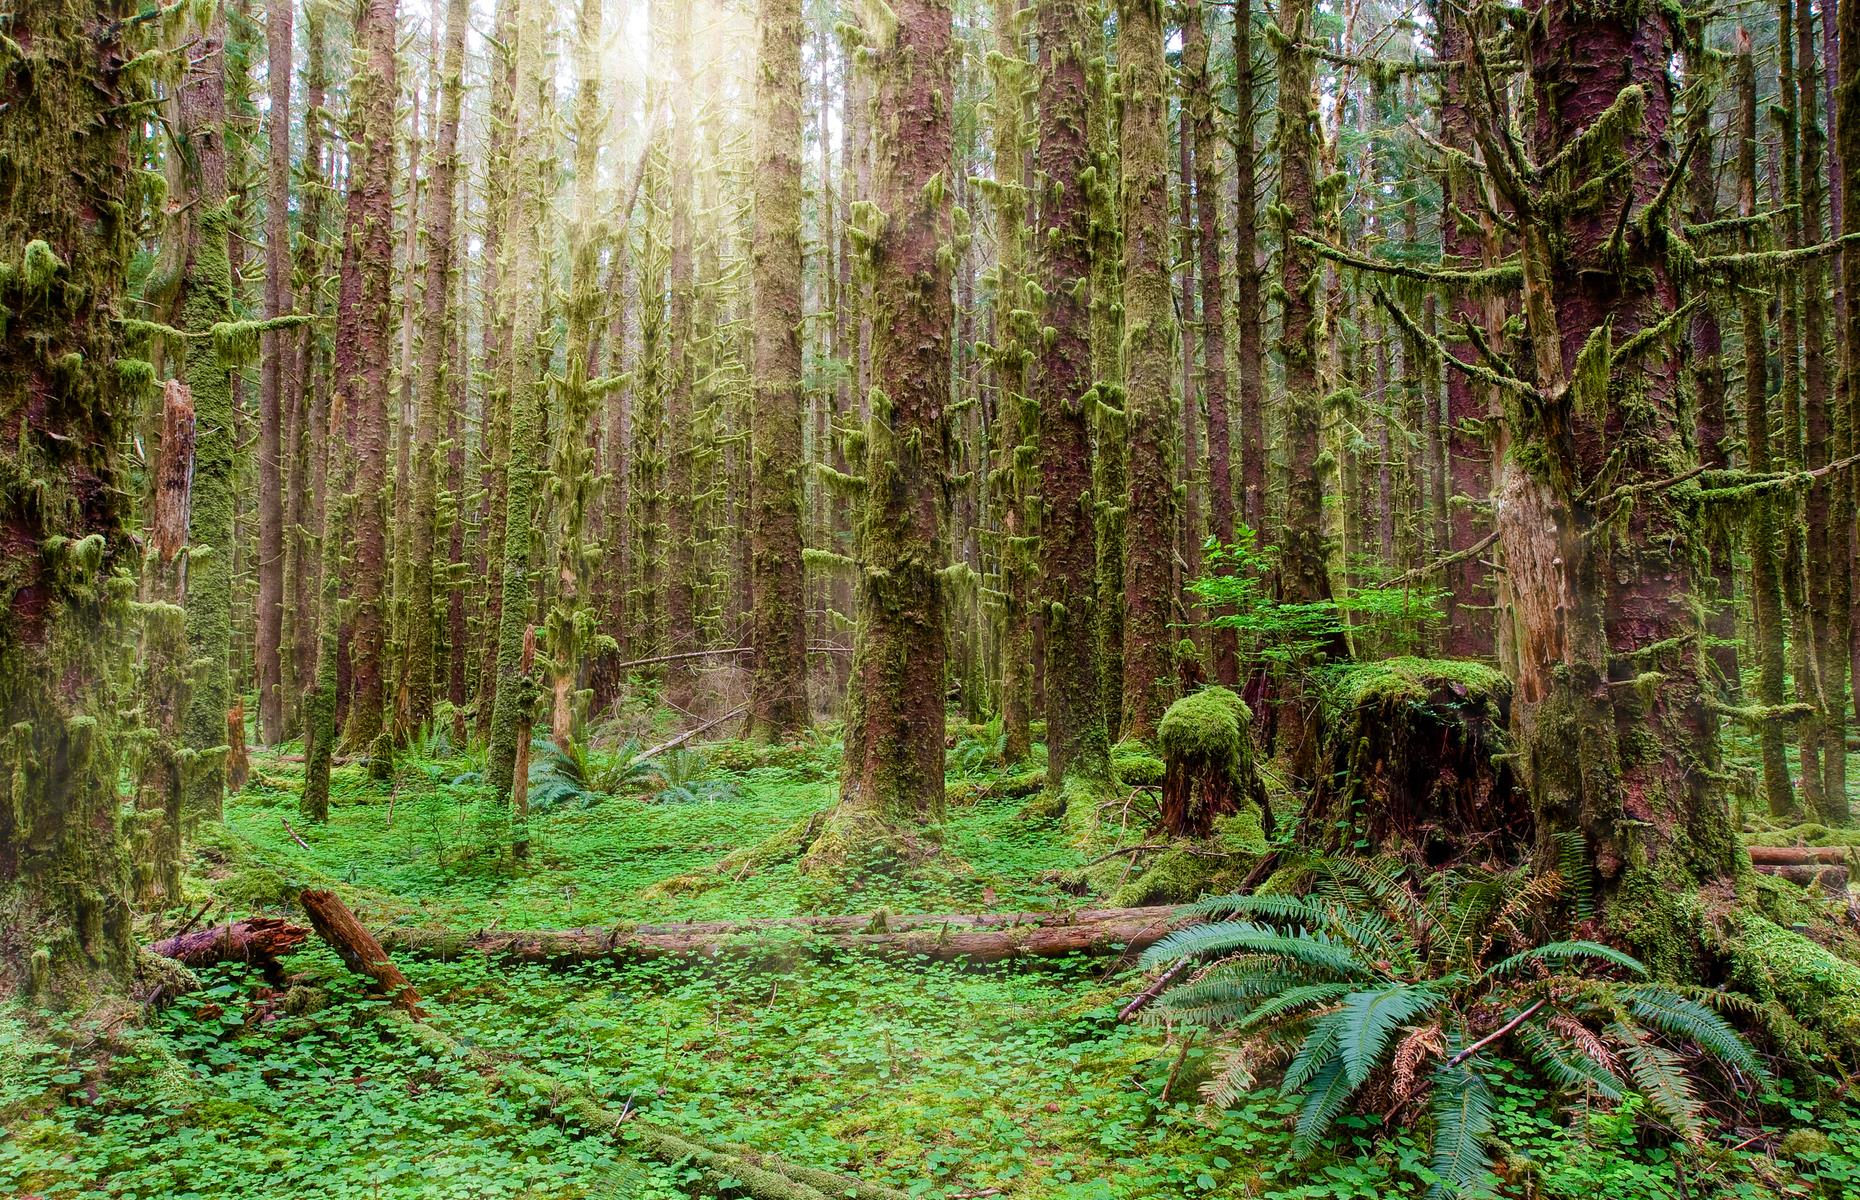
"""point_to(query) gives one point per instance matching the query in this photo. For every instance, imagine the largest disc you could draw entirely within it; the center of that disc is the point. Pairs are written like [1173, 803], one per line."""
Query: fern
[1572, 863]
[1682, 1018]
[1660, 1076]
[1562, 952]
[1226, 937]
[1330, 1090]
[1566, 1064]
[1368, 1018]
[1462, 1111]
[1318, 1050]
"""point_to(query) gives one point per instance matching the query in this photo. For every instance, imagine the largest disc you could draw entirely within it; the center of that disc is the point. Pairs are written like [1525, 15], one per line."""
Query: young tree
[778, 696]
[66, 240]
[892, 782]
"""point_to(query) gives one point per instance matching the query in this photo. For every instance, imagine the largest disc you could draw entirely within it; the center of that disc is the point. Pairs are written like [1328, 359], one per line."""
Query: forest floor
[946, 1080]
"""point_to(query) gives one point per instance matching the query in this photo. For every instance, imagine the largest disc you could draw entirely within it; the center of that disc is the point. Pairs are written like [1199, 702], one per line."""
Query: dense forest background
[1386, 465]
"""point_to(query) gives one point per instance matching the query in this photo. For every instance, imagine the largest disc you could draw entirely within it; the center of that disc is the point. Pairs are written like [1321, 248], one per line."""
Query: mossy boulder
[1135, 765]
[1416, 763]
[1207, 753]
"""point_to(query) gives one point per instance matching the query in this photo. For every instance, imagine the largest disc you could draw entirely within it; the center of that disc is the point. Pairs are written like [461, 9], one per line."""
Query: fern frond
[1660, 1076]
[1218, 999]
[1233, 1077]
[1318, 1050]
[1330, 1090]
[1568, 1064]
[1462, 1111]
[1691, 1021]
[1572, 864]
[1559, 952]
[1314, 950]
[1292, 1001]
[1368, 1018]
[1303, 910]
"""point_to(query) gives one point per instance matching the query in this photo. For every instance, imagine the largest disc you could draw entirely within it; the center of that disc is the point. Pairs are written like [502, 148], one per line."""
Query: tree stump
[1208, 769]
[1416, 764]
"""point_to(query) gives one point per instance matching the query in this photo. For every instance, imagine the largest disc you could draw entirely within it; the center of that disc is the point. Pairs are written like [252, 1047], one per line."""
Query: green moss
[1412, 680]
[1242, 832]
[1135, 765]
[1811, 983]
[1210, 724]
[1177, 876]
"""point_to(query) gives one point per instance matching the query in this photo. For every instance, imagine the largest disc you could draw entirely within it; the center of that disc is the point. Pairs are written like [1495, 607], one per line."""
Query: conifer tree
[892, 783]
[1149, 368]
[778, 701]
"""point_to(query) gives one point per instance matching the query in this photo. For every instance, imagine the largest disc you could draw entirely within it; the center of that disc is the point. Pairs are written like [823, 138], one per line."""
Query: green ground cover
[946, 1080]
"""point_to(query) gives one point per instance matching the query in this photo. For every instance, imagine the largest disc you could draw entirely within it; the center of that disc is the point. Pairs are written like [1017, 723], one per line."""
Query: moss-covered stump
[1208, 770]
[1417, 764]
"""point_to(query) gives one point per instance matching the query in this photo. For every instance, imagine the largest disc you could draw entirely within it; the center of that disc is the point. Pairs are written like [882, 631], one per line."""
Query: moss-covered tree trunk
[892, 783]
[1617, 733]
[523, 236]
[685, 359]
[1765, 587]
[66, 240]
[1200, 101]
[1251, 361]
[435, 372]
[203, 300]
[166, 677]
[1077, 743]
[279, 346]
[1107, 359]
[362, 354]
[1829, 585]
[1149, 367]
[778, 689]
[1468, 631]
[1847, 160]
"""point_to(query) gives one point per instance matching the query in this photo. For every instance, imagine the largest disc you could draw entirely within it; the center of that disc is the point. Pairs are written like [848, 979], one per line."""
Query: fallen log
[1827, 878]
[1794, 856]
[975, 937]
[260, 940]
[357, 948]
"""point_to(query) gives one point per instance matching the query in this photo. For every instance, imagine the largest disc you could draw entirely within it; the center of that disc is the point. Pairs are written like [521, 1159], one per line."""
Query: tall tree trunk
[685, 360]
[1765, 569]
[892, 783]
[64, 236]
[1468, 631]
[523, 235]
[778, 690]
[435, 372]
[279, 346]
[1247, 276]
[1847, 176]
[362, 366]
[1200, 100]
[1600, 591]
[1149, 367]
[1107, 356]
[205, 300]
[1077, 742]
[305, 385]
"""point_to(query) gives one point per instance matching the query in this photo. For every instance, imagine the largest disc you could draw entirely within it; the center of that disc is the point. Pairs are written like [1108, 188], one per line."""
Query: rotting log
[254, 940]
[975, 937]
[1799, 856]
[357, 948]
[1829, 879]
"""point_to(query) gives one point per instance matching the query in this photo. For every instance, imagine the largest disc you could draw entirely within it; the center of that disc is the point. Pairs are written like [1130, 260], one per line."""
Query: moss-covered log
[1417, 764]
[943, 937]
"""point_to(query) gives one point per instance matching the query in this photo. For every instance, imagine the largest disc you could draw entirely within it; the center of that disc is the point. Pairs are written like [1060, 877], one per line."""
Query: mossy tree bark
[1015, 334]
[1200, 104]
[685, 358]
[1828, 583]
[778, 688]
[1149, 366]
[523, 235]
[66, 239]
[435, 371]
[1077, 742]
[1765, 584]
[1107, 359]
[279, 345]
[892, 783]
[362, 353]
[1251, 363]
[1846, 112]
[1617, 732]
